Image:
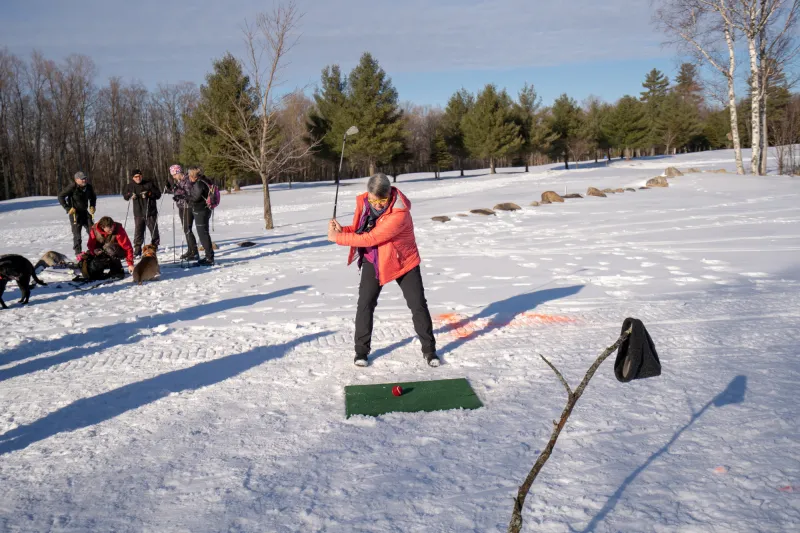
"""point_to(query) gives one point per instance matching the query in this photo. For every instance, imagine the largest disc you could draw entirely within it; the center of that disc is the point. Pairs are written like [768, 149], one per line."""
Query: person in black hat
[144, 195]
[79, 201]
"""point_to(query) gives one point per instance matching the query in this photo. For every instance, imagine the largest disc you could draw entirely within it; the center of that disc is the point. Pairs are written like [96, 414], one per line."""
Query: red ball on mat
[397, 390]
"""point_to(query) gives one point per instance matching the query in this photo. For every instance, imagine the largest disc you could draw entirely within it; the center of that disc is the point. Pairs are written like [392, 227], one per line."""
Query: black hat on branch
[636, 356]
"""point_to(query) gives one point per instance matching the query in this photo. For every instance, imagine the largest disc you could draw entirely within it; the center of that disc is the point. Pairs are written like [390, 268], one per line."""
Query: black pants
[138, 232]
[201, 221]
[79, 220]
[187, 219]
[414, 293]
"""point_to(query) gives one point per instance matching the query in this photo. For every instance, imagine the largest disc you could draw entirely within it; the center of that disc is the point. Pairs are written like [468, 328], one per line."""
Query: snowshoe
[205, 262]
[190, 256]
[361, 360]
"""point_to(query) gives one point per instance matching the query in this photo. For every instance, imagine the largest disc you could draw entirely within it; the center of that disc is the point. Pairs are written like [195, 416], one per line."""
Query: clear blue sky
[429, 48]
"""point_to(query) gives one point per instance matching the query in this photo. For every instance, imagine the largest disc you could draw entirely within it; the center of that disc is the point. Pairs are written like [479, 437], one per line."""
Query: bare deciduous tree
[701, 27]
[257, 142]
[766, 25]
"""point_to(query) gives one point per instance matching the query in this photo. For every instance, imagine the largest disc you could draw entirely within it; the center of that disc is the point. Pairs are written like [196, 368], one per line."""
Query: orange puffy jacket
[393, 235]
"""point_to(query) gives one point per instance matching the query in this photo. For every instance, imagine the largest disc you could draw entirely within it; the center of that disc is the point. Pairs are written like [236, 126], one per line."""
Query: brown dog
[19, 269]
[147, 269]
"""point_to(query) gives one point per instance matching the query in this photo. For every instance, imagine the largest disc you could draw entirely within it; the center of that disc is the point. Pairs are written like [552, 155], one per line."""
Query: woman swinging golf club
[382, 236]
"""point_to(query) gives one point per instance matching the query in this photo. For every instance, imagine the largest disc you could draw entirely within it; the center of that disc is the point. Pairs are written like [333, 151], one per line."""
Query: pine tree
[536, 136]
[489, 128]
[372, 105]
[678, 123]
[687, 84]
[626, 126]
[441, 158]
[565, 123]
[595, 113]
[657, 86]
[202, 144]
[328, 120]
[457, 107]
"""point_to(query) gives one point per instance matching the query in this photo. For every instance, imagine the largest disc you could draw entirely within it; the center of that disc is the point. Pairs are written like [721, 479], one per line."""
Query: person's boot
[361, 360]
[432, 359]
[191, 255]
[206, 261]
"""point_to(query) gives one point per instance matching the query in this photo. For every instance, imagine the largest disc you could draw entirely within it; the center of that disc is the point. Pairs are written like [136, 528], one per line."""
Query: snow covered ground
[213, 399]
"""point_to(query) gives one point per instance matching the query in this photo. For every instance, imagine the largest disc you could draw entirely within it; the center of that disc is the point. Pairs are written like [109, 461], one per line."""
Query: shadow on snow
[102, 338]
[733, 394]
[90, 411]
[501, 314]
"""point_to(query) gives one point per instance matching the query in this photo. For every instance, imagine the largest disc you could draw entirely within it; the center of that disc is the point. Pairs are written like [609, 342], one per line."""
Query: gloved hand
[145, 194]
[91, 210]
[71, 211]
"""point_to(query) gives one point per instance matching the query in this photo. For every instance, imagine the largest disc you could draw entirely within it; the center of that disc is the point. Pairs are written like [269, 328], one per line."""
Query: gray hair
[196, 171]
[379, 185]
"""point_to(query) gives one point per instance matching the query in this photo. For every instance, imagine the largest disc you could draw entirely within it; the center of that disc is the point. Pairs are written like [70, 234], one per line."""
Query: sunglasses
[380, 201]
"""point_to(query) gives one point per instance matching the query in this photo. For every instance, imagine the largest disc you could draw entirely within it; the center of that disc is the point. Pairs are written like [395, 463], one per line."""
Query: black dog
[19, 269]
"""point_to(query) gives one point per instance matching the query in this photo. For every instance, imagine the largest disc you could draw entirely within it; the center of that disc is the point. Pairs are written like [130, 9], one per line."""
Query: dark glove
[127, 196]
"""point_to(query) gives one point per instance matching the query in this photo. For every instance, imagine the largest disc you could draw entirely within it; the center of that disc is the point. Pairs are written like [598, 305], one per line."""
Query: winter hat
[636, 356]
[80, 176]
[175, 169]
[135, 172]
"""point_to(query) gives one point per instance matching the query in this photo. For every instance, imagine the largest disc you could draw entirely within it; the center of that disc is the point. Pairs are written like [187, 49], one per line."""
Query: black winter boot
[432, 359]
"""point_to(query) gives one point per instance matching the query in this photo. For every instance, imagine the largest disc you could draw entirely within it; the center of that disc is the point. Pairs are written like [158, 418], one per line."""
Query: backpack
[213, 198]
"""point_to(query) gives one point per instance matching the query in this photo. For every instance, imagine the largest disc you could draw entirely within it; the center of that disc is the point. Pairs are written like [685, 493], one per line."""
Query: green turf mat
[438, 395]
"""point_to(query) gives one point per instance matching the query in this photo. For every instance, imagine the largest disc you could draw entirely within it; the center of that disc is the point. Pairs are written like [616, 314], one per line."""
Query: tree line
[55, 119]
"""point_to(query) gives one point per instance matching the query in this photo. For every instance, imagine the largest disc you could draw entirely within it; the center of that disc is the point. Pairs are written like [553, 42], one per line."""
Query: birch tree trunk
[755, 107]
[731, 75]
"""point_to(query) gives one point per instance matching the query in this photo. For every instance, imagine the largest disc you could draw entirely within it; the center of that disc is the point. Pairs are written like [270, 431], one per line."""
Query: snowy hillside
[213, 399]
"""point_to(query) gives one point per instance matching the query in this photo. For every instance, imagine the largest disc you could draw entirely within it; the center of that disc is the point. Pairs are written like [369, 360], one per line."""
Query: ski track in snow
[213, 400]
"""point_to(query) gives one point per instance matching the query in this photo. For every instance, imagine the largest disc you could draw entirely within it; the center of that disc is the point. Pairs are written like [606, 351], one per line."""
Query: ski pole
[162, 197]
[126, 214]
[173, 233]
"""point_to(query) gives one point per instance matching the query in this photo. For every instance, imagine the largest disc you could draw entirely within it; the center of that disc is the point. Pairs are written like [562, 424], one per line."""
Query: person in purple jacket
[181, 191]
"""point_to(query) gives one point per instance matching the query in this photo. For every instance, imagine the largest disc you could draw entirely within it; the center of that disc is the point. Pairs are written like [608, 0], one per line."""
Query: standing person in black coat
[143, 193]
[201, 212]
[79, 201]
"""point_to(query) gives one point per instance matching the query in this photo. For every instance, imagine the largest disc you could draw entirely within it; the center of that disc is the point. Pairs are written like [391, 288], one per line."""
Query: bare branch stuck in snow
[515, 526]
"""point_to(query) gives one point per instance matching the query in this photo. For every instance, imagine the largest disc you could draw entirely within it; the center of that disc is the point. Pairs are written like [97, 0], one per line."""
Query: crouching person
[108, 238]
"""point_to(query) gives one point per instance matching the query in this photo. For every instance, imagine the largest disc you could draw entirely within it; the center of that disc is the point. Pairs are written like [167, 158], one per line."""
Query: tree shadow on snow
[733, 394]
[296, 248]
[257, 238]
[98, 339]
[500, 314]
[90, 411]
